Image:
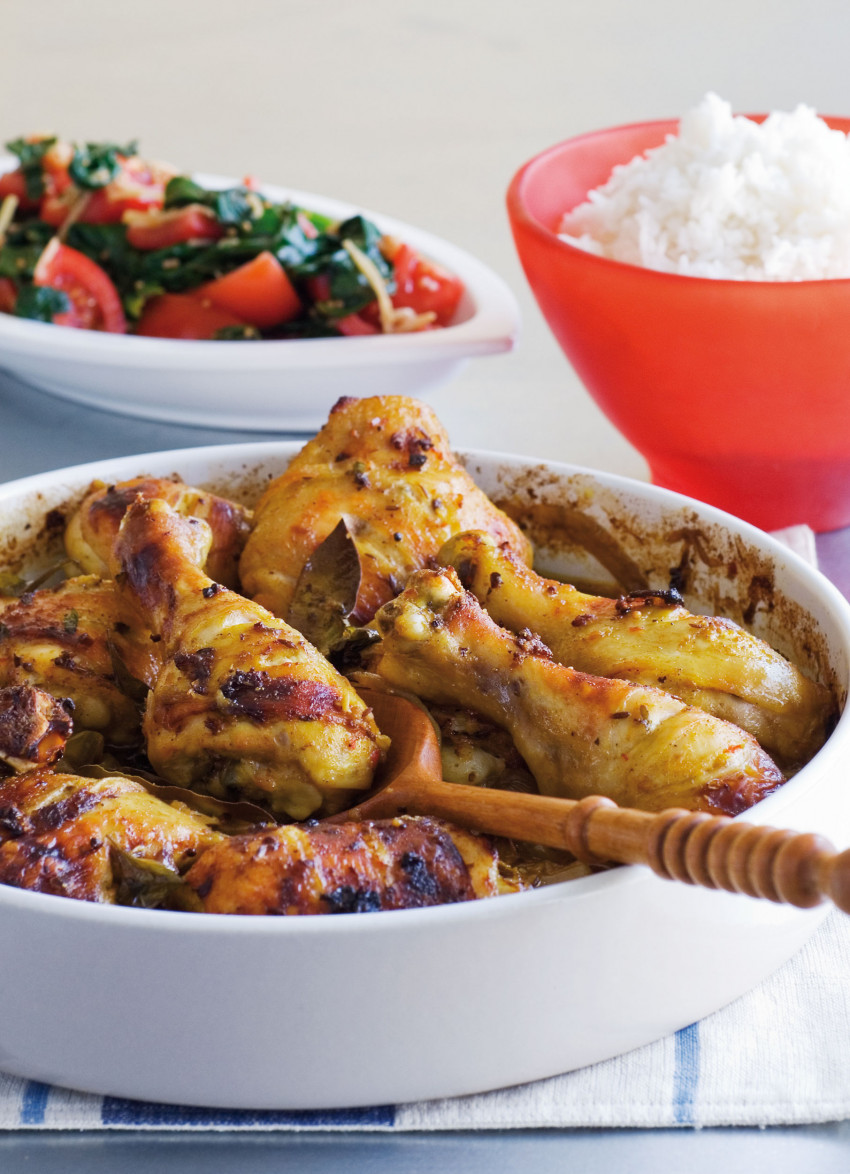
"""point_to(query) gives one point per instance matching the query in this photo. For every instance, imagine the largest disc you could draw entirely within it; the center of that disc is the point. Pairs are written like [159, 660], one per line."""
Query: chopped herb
[71, 620]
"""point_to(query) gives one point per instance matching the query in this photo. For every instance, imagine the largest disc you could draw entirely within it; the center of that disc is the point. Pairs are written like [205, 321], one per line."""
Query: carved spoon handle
[718, 853]
[790, 867]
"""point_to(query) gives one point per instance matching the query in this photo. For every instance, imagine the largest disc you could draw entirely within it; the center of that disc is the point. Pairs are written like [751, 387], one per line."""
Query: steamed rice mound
[728, 198]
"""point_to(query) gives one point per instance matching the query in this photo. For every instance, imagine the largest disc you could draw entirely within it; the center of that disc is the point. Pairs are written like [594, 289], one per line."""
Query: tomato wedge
[424, 286]
[259, 292]
[354, 324]
[95, 304]
[160, 229]
[184, 315]
[8, 295]
[12, 183]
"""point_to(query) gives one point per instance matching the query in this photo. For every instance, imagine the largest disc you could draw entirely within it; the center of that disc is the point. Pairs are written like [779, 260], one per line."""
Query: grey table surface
[39, 432]
[819, 1149]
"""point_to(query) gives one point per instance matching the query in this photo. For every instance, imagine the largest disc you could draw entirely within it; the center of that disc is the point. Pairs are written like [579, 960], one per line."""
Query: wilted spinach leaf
[30, 156]
[97, 164]
[348, 290]
[231, 205]
[23, 246]
[181, 190]
[41, 303]
[107, 244]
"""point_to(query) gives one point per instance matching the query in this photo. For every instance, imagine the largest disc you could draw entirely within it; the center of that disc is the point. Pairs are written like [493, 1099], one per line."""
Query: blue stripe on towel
[34, 1103]
[116, 1111]
[686, 1074]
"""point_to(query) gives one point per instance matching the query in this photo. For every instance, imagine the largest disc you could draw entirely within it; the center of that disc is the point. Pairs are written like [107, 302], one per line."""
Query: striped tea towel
[778, 1055]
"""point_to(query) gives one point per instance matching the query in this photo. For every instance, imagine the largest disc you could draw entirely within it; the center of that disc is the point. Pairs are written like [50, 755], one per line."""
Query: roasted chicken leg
[242, 705]
[110, 841]
[579, 734]
[384, 465]
[651, 639]
[404, 863]
[91, 533]
[69, 641]
[67, 835]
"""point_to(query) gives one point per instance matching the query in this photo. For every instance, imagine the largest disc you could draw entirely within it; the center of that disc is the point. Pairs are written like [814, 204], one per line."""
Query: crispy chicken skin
[650, 639]
[384, 465]
[59, 832]
[63, 640]
[403, 863]
[34, 727]
[91, 533]
[242, 706]
[579, 734]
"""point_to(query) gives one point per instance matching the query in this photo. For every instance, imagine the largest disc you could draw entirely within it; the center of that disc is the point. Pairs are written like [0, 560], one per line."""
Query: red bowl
[735, 392]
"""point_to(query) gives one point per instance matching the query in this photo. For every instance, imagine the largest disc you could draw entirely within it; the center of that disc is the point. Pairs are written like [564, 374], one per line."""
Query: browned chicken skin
[75, 837]
[91, 533]
[34, 727]
[243, 706]
[383, 464]
[404, 863]
[60, 833]
[65, 640]
[579, 734]
[651, 639]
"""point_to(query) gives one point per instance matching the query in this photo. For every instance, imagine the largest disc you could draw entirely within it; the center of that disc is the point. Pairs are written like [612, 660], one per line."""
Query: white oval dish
[265, 385]
[383, 1008]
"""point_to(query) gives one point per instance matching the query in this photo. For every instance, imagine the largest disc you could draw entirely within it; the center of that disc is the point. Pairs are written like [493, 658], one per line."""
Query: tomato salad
[95, 237]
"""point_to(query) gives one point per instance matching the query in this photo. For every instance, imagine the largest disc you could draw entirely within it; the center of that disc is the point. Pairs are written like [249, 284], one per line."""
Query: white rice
[728, 198]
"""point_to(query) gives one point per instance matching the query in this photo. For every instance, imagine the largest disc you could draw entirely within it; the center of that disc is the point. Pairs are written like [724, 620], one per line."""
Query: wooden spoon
[718, 853]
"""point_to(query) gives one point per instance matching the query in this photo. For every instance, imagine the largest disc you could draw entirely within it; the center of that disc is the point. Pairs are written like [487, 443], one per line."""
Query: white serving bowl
[324, 1012]
[266, 385]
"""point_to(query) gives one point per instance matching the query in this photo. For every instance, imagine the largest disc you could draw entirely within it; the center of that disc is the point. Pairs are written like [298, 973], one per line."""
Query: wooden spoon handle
[699, 849]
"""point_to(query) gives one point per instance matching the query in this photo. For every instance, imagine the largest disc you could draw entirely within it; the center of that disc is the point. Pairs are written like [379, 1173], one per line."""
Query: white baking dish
[391, 1007]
